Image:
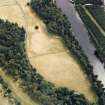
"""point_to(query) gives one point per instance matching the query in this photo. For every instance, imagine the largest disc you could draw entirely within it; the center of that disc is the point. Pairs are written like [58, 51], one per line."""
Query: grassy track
[19, 94]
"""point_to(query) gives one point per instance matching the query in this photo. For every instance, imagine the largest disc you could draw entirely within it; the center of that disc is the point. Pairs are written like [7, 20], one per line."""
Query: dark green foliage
[57, 23]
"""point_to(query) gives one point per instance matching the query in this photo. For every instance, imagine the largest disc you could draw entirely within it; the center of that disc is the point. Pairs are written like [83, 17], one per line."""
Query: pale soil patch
[17, 91]
[12, 13]
[6, 2]
[45, 43]
[59, 68]
[94, 20]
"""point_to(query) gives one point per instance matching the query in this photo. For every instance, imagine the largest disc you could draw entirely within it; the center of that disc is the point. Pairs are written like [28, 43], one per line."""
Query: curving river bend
[81, 35]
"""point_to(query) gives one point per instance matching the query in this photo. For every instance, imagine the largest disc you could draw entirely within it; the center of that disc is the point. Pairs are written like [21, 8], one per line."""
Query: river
[81, 35]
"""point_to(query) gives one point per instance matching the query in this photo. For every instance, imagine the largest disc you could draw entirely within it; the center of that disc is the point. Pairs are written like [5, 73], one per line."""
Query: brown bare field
[47, 53]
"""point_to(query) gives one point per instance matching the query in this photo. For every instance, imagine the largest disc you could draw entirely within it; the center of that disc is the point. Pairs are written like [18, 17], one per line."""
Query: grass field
[47, 53]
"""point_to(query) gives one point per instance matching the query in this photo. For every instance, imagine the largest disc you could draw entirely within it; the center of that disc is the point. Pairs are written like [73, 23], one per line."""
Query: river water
[81, 35]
